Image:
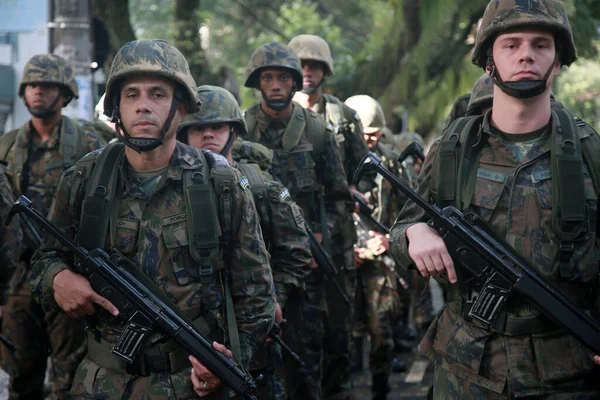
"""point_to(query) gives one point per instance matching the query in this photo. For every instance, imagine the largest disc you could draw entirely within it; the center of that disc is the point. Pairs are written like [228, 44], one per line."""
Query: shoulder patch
[244, 183]
[285, 194]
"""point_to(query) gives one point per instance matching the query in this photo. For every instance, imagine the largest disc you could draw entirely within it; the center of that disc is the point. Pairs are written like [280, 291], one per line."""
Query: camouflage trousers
[37, 335]
[450, 386]
[377, 306]
[304, 334]
[337, 339]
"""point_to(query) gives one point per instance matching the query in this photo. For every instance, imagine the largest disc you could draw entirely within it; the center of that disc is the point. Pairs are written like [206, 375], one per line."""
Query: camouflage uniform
[12, 237]
[538, 360]
[349, 135]
[281, 219]
[482, 95]
[151, 230]
[34, 169]
[307, 161]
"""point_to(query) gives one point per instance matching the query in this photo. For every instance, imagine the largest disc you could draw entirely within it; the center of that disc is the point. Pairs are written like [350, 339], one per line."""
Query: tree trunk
[114, 14]
[187, 38]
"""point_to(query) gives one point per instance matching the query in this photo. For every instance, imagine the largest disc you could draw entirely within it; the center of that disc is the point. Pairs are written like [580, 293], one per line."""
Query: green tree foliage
[412, 55]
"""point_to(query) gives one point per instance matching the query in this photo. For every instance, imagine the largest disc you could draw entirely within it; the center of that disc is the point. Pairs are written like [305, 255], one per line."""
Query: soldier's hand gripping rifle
[326, 265]
[495, 265]
[144, 309]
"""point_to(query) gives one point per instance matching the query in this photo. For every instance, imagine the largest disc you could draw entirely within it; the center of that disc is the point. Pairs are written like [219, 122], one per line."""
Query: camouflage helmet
[49, 68]
[502, 15]
[152, 57]
[218, 106]
[369, 110]
[273, 55]
[403, 140]
[312, 47]
[482, 95]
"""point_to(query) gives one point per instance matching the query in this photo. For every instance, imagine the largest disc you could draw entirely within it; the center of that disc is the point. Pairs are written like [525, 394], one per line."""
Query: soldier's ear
[183, 108]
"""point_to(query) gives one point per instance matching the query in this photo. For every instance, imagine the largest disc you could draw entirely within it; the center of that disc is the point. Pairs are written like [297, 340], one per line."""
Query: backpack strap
[203, 220]
[334, 111]
[449, 169]
[72, 142]
[294, 129]
[6, 143]
[568, 211]
[101, 196]
[261, 198]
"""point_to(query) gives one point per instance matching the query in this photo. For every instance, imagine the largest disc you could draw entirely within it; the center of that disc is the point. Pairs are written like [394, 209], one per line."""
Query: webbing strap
[203, 226]
[259, 192]
[100, 198]
[568, 211]
[294, 129]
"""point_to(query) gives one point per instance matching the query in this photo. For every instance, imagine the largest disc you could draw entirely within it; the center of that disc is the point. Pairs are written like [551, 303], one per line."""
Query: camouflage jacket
[304, 169]
[151, 238]
[45, 164]
[519, 210]
[284, 233]
[11, 237]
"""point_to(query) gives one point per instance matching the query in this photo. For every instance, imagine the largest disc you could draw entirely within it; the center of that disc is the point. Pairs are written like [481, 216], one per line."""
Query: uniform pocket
[560, 357]
[301, 167]
[489, 186]
[126, 234]
[175, 236]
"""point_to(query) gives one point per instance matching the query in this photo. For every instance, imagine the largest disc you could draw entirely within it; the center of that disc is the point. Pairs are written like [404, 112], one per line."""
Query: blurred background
[411, 55]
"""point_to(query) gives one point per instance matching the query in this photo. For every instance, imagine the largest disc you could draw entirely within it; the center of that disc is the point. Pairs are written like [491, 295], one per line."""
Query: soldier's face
[372, 139]
[145, 104]
[312, 73]
[526, 54]
[40, 96]
[209, 137]
[276, 84]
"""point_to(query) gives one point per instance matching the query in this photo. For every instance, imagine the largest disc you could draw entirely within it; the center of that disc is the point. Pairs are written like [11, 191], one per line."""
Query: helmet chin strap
[229, 144]
[43, 113]
[312, 89]
[279, 105]
[146, 144]
[524, 89]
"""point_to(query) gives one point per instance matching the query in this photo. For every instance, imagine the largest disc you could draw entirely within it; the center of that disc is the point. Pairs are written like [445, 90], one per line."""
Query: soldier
[306, 160]
[482, 96]
[216, 127]
[377, 299]
[317, 64]
[515, 186]
[37, 154]
[216, 273]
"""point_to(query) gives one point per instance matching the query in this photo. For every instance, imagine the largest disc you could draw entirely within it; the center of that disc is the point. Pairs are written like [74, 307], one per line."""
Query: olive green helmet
[49, 68]
[218, 106]
[369, 110]
[503, 15]
[312, 47]
[151, 57]
[273, 55]
[482, 95]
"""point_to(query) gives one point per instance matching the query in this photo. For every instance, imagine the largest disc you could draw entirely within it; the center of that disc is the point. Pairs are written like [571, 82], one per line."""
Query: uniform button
[219, 316]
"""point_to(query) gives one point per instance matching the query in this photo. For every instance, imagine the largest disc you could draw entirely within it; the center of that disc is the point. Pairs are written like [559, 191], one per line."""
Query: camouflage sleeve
[290, 248]
[11, 238]
[411, 213]
[332, 170]
[252, 286]
[53, 257]
[356, 147]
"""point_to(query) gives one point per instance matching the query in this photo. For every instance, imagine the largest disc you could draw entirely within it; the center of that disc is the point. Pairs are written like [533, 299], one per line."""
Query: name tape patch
[491, 175]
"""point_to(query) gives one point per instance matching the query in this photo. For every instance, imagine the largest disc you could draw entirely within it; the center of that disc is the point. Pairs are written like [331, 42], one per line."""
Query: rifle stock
[144, 309]
[498, 268]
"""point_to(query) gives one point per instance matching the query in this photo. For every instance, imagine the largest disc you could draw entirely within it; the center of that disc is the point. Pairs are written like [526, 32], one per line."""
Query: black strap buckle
[566, 250]
[206, 270]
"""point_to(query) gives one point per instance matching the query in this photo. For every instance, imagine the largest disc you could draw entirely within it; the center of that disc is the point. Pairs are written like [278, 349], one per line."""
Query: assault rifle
[367, 212]
[144, 309]
[496, 267]
[274, 334]
[326, 265]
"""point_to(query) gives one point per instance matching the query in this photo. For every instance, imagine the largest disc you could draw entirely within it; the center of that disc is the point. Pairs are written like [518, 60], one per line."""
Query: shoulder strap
[447, 186]
[71, 142]
[259, 192]
[315, 131]
[203, 220]
[6, 143]
[100, 194]
[334, 111]
[250, 117]
[294, 129]
[568, 211]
